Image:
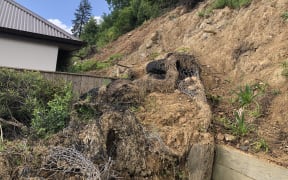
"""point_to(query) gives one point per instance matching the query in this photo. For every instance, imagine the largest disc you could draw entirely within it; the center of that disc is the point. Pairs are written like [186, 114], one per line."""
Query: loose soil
[234, 48]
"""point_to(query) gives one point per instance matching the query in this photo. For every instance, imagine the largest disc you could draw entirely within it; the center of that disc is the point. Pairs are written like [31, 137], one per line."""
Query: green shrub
[53, 117]
[261, 145]
[115, 57]
[234, 4]
[88, 65]
[86, 112]
[23, 92]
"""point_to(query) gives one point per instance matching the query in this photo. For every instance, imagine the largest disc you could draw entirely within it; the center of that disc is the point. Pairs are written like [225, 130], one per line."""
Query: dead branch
[10, 122]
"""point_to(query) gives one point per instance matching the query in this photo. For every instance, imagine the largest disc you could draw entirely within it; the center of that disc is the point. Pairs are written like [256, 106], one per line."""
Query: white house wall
[27, 55]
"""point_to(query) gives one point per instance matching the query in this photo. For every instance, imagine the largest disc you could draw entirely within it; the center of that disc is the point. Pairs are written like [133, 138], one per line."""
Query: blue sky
[61, 12]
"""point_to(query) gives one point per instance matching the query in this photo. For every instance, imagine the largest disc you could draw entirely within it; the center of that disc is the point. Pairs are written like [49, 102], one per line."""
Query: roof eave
[70, 44]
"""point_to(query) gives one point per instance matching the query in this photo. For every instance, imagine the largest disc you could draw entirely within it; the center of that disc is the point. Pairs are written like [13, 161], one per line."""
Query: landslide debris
[132, 129]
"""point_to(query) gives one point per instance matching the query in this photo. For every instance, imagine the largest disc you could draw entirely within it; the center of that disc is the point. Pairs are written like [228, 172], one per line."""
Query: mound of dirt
[150, 127]
[158, 124]
[234, 48]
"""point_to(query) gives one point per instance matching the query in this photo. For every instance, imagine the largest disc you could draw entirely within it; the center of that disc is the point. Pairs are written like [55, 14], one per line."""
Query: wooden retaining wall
[81, 83]
[232, 164]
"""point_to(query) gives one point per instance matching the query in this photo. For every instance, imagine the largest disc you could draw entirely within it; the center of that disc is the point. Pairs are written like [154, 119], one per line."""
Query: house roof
[18, 20]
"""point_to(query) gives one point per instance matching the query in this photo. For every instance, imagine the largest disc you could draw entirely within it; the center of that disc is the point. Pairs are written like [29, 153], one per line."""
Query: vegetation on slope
[29, 102]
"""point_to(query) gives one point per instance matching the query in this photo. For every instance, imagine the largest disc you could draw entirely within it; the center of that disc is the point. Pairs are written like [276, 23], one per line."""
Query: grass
[88, 65]
[261, 145]
[220, 4]
[133, 109]
[256, 112]
[245, 95]
[285, 16]
[224, 121]
[213, 99]
[234, 4]
[284, 68]
[183, 50]
[240, 128]
[115, 57]
[153, 55]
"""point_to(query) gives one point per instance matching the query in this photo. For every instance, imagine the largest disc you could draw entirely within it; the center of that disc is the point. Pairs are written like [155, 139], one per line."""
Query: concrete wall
[232, 164]
[26, 54]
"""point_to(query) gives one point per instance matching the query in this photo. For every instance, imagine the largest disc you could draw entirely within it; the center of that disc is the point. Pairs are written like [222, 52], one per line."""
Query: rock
[220, 137]
[200, 159]
[177, 91]
[229, 137]
[246, 142]
[244, 148]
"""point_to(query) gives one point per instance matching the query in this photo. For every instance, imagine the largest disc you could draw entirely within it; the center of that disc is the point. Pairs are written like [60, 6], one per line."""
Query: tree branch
[16, 123]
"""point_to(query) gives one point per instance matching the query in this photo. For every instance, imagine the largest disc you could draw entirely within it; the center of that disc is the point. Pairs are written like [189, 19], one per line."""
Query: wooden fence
[81, 83]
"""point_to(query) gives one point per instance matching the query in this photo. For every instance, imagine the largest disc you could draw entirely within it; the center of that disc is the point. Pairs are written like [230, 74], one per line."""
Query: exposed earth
[144, 125]
[234, 48]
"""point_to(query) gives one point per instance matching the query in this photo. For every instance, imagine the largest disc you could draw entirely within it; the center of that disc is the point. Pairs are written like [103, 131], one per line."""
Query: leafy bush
[235, 4]
[261, 145]
[88, 65]
[53, 117]
[23, 92]
[220, 4]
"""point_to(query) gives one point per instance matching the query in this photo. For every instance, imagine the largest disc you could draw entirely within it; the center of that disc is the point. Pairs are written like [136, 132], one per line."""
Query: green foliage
[285, 69]
[82, 16]
[118, 4]
[53, 117]
[183, 49]
[21, 93]
[245, 96]
[234, 4]
[128, 14]
[115, 57]
[153, 55]
[133, 109]
[125, 21]
[220, 4]
[88, 65]
[90, 31]
[285, 15]
[85, 112]
[239, 127]
[85, 52]
[107, 36]
[261, 145]
[213, 99]
[256, 112]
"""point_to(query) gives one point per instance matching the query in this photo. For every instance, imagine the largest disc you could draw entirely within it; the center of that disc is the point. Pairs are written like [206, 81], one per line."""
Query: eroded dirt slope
[234, 48]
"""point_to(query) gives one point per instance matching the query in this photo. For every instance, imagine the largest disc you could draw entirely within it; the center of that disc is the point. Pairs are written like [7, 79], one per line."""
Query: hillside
[235, 48]
[185, 81]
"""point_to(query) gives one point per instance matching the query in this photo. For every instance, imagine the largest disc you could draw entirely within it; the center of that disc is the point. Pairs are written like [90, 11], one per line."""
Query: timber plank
[248, 165]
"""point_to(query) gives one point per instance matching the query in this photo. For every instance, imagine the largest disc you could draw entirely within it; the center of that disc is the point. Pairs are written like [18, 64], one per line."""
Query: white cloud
[99, 19]
[60, 24]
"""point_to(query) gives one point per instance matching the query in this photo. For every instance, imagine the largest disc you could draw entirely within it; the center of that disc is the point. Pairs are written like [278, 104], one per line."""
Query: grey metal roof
[16, 17]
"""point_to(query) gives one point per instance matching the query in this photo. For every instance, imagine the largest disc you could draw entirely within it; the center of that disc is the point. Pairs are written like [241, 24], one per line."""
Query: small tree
[90, 30]
[82, 16]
